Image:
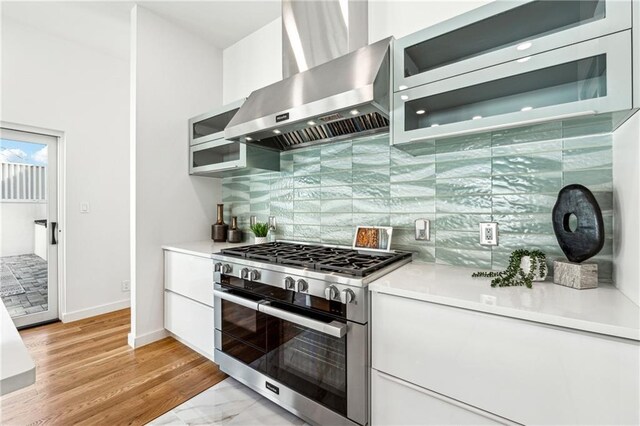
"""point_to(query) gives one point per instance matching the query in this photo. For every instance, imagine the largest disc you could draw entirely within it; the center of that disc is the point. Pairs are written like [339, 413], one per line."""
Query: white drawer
[191, 321]
[396, 402]
[189, 275]
[526, 372]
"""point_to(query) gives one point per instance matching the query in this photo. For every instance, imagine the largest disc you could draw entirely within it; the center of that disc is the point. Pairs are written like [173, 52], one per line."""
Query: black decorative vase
[235, 235]
[587, 239]
[219, 230]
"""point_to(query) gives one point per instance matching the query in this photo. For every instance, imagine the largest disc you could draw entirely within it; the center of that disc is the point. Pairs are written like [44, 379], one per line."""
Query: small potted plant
[524, 268]
[260, 231]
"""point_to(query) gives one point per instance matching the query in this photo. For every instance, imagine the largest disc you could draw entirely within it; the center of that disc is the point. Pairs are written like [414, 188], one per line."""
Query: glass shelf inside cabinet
[216, 155]
[212, 125]
[526, 22]
[559, 84]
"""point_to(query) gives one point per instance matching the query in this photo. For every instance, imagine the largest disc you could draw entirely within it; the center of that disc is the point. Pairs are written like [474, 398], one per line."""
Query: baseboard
[190, 346]
[153, 336]
[96, 310]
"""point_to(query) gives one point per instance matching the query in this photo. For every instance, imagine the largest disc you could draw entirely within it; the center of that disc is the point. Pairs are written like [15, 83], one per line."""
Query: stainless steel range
[291, 322]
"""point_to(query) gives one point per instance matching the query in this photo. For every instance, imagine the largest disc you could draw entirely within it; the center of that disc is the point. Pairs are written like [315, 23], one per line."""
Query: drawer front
[190, 321]
[396, 402]
[526, 372]
[190, 276]
[588, 78]
[496, 34]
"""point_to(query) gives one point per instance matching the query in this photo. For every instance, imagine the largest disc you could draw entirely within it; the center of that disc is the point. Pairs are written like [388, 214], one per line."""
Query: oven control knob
[289, 283]
[301, 286]
[226, 268]
[331, 292]
[347, 296]
[217, 267]
[254, 275]
[244, 273]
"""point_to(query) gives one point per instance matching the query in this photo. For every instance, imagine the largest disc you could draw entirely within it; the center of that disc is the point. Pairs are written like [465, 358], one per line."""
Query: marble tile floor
[31, 271]
[228, 403]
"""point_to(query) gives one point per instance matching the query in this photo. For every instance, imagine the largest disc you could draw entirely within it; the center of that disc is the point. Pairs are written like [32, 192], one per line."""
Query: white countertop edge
[17, 369]
[205, 248]
[594, 327]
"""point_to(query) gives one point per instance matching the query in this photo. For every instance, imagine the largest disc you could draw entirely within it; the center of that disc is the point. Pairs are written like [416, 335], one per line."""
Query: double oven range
[291, 322]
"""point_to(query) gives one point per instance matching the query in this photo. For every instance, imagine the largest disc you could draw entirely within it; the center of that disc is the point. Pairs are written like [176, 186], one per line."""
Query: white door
[28, 226]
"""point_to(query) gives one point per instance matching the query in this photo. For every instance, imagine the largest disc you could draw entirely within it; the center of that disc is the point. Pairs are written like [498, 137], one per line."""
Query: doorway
[29, 226]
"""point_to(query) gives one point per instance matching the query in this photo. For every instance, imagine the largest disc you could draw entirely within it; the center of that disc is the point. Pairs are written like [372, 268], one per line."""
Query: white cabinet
[518, 370]
[396, 402]
[188, 300]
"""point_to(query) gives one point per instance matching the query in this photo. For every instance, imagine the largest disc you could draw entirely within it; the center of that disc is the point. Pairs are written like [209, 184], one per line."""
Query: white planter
[260, 240]
[525, 264]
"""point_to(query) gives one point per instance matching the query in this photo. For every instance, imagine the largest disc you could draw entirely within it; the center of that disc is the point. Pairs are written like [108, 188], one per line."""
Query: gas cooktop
[318, 257]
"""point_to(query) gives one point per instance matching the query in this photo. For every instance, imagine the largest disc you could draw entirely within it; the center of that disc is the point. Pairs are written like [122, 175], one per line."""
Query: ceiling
[104, 25]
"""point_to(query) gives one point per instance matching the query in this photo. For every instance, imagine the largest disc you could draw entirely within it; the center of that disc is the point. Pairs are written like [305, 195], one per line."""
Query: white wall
[626, 197]
[175, 75]
[16, 222]
[56, 83]
[400, 18]
[253, 62]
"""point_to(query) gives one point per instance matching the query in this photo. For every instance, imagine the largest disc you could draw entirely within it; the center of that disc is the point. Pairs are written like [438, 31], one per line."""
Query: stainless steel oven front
[296, 349]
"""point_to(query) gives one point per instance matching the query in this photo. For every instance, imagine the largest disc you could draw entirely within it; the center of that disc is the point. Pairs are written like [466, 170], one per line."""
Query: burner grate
[320, 258]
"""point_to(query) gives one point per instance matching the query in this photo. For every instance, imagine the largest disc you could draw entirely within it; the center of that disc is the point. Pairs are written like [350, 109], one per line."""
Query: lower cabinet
[396, 402]
[190, 321]
[526, 372]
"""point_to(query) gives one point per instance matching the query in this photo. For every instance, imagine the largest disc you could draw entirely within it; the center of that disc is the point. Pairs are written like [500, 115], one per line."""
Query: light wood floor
[87, 374]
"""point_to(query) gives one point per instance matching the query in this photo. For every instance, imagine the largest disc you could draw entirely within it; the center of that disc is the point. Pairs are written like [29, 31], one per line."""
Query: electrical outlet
[126, 285]
[489, 233]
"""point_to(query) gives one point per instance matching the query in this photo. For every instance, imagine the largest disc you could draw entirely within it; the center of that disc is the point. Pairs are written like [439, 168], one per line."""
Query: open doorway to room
[28, 226]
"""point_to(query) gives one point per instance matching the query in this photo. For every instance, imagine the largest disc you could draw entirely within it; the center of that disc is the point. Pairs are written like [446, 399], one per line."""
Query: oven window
[244, 324]
[309, 362]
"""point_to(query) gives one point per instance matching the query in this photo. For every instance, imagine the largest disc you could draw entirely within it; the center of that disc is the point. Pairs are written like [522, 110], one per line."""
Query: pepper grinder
[219, 230]
[234, 235]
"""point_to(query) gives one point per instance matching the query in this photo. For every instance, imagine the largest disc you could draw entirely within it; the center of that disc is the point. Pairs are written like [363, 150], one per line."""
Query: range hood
[344, 98]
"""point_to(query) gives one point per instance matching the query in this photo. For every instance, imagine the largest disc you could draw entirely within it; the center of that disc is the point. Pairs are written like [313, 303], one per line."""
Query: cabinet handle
[505, 125]
[54, 227]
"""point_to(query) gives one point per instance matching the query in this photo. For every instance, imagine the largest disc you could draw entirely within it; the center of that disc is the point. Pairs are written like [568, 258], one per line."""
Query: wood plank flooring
[87, 374]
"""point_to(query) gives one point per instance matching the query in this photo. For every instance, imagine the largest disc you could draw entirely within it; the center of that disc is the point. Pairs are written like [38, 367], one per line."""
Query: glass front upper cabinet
[210, 126]
[500, 32]
[588, 78]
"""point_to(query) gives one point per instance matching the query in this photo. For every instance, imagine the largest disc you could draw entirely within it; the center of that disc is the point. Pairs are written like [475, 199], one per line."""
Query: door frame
[61, 203]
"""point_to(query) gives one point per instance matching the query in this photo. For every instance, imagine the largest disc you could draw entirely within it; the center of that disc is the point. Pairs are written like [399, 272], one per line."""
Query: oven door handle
[223, 294]
[334, 328]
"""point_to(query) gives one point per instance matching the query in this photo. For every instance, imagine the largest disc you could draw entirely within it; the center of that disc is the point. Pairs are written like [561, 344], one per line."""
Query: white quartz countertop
[603, 310]
[200, 248]
[17, 369]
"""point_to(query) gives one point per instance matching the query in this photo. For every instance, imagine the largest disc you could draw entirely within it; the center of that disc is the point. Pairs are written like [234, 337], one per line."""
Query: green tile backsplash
[509, 176]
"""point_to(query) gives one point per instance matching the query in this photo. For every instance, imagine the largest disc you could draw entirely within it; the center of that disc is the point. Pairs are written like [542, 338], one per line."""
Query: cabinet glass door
[210, 126]
[216, 156]
[502, 32]
[588, 78]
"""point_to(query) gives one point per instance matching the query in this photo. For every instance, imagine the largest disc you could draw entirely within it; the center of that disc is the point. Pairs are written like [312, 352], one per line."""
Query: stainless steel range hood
[341, 99]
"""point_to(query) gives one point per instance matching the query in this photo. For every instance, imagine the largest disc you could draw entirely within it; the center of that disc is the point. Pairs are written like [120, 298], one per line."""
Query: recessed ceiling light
[354, 112]
[524, 46]
[404, 97]
[525, 59]
[420, 111]
[249, 138]
[527, 108]
[277, 132]
[311, 123]
[402, 87]
[477, 117]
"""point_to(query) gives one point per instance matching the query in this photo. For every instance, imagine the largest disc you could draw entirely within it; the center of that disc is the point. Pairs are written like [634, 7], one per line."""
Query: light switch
[84, 207]
[422, 230]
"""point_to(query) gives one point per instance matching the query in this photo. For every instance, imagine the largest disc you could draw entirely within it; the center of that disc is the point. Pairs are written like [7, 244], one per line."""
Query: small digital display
[377, 238]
